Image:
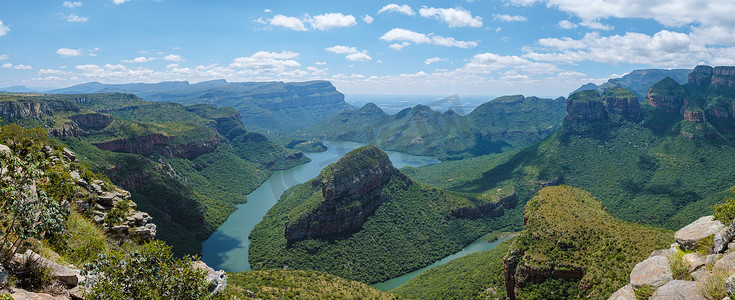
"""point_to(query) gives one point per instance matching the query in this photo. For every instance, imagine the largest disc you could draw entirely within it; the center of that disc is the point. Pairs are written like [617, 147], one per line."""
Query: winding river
[227, 248]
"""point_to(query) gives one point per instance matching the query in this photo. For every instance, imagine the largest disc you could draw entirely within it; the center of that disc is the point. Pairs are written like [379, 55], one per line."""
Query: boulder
[70, 277]
[217, 279]
[678, 289]
[712, 258]
[726, 263]
[689, 236]
[107, 199]
[76, 293]
[624, 293]
[654, 271]
[5, 149]
[723, 238]
[68, 154]
[694, 261]
[700, 275]
[26, 295]
[730, 285]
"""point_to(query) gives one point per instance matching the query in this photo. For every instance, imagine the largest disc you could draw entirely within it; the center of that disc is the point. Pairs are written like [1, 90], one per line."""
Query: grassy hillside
[569, 233]
[496, 126]
[475, 276]
[283, 284]
[414, 226]
[186, 166]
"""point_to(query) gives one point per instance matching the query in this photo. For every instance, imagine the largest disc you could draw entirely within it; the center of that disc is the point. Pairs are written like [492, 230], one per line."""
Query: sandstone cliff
[589, 112]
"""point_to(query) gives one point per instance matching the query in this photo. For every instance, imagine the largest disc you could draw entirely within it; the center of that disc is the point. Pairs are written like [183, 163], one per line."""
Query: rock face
[217, 280]
[11, 111]
[351, 191]
[723, 76]
[492, 209]
[654, 271]
[689, 236]
[70, 277]
[92, 121]
[589, 112]
[159, 143]
[701, 76]
[667, 95]
[678, 289]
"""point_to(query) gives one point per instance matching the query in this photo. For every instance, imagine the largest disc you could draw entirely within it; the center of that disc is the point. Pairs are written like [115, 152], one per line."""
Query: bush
[679, 269]
[150, 272]
[725, 212]
[644, 292]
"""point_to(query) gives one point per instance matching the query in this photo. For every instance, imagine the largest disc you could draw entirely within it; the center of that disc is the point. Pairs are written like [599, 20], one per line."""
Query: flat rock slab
[690, 235]
[678, 290]
[624, 293]
[654, 271]
[694, 261]
[726, 263]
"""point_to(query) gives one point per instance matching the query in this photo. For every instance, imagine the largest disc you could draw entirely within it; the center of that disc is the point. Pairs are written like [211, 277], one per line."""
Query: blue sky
[480, 47]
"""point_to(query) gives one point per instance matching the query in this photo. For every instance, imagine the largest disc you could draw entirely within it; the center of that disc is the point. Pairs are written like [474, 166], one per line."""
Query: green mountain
[270, 107]
[186, 166]
[663, 166]
[362, 219]
[639, 81]
[496, 126]
[298, 284]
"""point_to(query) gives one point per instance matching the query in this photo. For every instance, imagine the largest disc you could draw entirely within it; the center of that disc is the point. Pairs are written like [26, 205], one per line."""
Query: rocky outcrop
[491, 209]
[351, 190]
[216, 280]
[678, 289]
[701, 76]
[723, 76]
[70, 277]
[621, 102]
[159, 143]
[585, 113]
[69, 129]
[654, 271]
[689, 236]
[520, 274]
[92, 121]
[11, 111]
[695, 116]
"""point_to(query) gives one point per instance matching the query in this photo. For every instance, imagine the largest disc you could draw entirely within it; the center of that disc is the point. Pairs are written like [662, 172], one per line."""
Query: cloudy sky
[469, 47]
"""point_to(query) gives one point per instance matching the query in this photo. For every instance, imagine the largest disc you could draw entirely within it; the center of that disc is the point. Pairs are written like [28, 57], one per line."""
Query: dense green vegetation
[296, 284]
[411, 229]
[186, 166]
[496, 126]
[475, 276]
[568, 230]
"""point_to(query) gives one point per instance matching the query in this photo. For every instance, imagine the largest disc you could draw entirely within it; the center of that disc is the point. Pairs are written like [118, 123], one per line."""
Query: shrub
[150, 272]
[713, 287]
[679, 269]
[725, 212]
[644, 292]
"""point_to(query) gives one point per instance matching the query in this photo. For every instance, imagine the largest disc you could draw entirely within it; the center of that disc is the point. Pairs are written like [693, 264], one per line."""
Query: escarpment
[589, 112]
[351, 192]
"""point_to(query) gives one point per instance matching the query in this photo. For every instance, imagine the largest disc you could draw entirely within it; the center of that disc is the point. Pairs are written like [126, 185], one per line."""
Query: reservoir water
[227, 248]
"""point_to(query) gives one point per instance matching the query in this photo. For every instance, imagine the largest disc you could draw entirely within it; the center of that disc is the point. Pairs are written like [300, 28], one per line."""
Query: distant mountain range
[639, 81]
[272, 108]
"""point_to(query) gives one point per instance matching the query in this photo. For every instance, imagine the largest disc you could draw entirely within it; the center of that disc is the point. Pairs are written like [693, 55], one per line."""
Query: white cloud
[509, 18]
[596, 25]
[267, 11]
[432, 60]
[22, 67]
[332, 20]
[76, 18]
[269, 62]
[4, 29]
[93, 52]
[320, 63]
[4, 56]
[368, 19]
[141, 59]
[664, 48]
[402, 9]
[66, 52]
[455, 17]
[49, 71]
[339, 49]
[566, 24]
[7, 65]
[119, 1]
[292, 23]
[407, 36]
[359, 56]
[173, 57]
[70, 4]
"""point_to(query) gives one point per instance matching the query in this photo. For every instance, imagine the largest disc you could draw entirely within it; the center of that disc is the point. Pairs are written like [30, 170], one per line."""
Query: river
[227, 248]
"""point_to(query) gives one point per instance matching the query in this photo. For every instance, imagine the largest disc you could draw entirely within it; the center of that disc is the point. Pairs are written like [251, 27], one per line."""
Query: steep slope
[475, 276]
[639, 81]
[187, 167]
[270, 107]
[663, 168]
[296, 284]
[572, 247]
[363, 219]
[496, 126]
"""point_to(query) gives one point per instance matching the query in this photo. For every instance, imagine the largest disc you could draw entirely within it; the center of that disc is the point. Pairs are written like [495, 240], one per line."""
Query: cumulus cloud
[368, 19]
[292, 23]
[22, 67]
[116, 2]
[664, 48]
[141, 59]
[406, 37]
[352, 53]
[70, 4]
[7, 65]
[66, 52]
[267, 61]
[332, 20]
[566, 24]
[596, 25]
[402, 9]
[432, 60]
[173, 57]
[509, 18]
[76, 18]
[455, 17]
[4, 29]
[4, 56]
